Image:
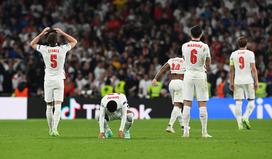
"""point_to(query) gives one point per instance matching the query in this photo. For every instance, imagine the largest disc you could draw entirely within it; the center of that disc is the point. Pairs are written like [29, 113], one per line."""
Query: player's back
[176, 65]
[54, 59]
[241, 59]
[195, 54]
[117, 97]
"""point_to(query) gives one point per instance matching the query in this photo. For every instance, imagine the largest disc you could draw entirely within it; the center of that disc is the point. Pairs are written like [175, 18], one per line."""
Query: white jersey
[120, 99]
[121, 111]
[176, 65]
[195, 54]
[241, 60]
[54, 58]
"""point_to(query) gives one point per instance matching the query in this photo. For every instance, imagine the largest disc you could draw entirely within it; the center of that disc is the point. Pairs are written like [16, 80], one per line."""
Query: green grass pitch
[29, 140]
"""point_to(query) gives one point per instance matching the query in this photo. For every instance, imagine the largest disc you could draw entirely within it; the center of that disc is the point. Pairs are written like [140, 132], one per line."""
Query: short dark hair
[196, 31]
[52, 38]
[111, 106]
[242, 41]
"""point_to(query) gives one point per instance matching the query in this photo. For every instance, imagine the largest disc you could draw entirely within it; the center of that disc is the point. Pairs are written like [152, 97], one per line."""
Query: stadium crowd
[129, 40]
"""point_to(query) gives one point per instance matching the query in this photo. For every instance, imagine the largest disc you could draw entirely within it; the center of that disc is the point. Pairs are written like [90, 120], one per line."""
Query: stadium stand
[123, 40]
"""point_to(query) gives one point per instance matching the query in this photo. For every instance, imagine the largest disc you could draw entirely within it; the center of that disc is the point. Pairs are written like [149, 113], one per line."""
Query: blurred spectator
[123, 40]
[106, 88]
[268, 76]
[143, 87]
[69, 87]
[21, 90]
[81, 82]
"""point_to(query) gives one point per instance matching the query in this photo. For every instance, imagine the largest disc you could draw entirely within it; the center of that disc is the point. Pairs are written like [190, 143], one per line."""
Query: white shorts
[175, 89]
[244, 91]
[53, 90]
[198, 86]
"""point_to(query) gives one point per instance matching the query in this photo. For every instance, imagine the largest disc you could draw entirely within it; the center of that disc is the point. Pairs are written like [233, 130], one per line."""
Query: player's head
[196, 32]
[111, 106]
[52, 38]
[242, 42]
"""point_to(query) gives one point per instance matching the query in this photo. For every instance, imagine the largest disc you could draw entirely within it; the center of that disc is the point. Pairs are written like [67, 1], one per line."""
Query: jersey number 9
[53, 59]
[241, 62]
[193, 56]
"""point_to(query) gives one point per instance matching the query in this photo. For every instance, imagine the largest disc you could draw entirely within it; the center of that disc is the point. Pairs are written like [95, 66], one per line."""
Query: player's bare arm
[123, 122]
[35, 41]
[231, 76]
[71, 40]
[101, 123]
[255, 75]
[208, 62]
[163, 69]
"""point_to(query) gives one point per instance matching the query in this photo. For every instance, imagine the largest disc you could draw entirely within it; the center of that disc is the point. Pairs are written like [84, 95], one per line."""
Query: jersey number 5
[175, 67]
[53, 59]
[193, 56]
[241, 62]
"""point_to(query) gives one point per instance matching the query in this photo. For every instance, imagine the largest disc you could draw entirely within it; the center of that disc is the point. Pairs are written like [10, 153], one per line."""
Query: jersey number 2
[53, 59]
[193, 56]
[175, 67]
[241, 62]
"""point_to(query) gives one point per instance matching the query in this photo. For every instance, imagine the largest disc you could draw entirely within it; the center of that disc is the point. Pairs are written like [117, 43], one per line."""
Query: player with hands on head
[54, 59]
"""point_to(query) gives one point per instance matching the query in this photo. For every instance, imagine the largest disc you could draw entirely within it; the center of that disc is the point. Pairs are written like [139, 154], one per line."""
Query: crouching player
[177, 69]
[114, 106]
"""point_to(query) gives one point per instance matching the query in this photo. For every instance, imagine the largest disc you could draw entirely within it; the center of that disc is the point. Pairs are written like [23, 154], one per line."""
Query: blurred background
[123, 43]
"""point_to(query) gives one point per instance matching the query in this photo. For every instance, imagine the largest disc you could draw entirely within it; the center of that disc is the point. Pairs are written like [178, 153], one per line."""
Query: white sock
[203, 115]
[175, 112]
[238, 112]
[186, 118]
[130, 120]
[249, 109]
[49, 116]
[56, 116]
[179, 117]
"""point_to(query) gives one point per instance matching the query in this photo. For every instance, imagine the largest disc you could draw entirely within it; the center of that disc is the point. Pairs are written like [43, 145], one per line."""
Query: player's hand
[154, 82]
[121, 134]
[256, 85]
[231, 86]
[58, 30]
[101, 136]
[45, 30]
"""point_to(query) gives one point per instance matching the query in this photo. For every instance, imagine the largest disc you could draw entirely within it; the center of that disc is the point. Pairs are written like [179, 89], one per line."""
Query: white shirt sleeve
[41, 48]
[183, 49]
[207, 51]
[101, 119]
[66, 47]
[231, 60]
[252, 58]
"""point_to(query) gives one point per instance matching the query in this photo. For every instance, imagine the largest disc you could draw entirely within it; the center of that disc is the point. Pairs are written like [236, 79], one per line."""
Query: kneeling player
[177, 69]
[114, 106]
